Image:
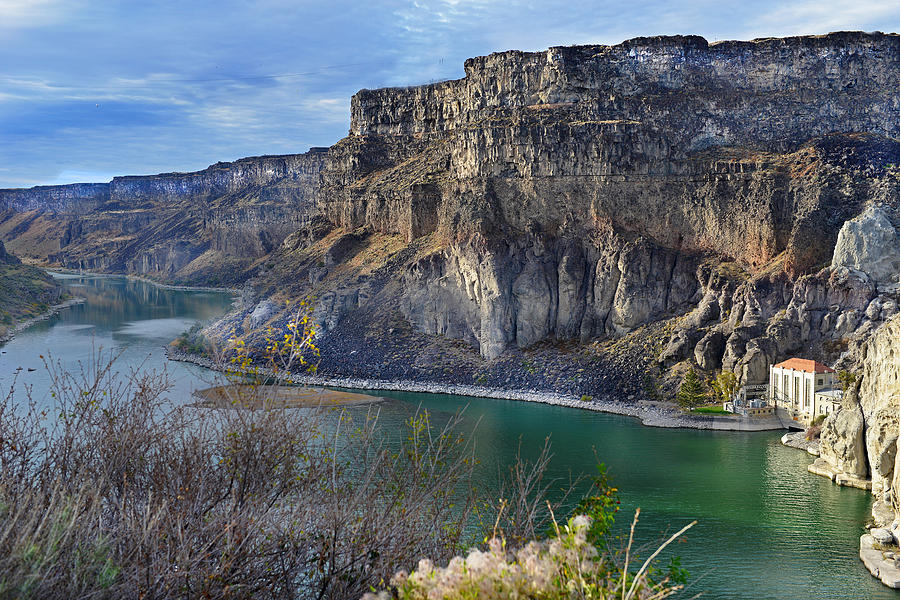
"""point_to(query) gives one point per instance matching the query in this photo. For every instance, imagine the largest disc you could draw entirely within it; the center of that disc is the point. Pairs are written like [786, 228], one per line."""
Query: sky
[98, 88]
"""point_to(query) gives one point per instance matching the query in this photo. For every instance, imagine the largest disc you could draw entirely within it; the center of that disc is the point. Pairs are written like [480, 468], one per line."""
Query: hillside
[25, 292]
[207, 227]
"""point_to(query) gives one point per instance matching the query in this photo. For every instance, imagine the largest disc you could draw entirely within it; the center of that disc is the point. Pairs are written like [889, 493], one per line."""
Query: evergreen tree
[692, 392]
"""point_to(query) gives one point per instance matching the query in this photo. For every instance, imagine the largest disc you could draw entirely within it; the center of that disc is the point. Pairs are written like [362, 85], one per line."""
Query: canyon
[592, 220]
[203, 227]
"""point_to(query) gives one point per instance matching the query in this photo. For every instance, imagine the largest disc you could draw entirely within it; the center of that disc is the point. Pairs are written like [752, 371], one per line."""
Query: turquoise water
[767, 528]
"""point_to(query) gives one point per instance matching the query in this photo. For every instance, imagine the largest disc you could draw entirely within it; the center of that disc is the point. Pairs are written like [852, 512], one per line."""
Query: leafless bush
[117, 492]
[520, 508]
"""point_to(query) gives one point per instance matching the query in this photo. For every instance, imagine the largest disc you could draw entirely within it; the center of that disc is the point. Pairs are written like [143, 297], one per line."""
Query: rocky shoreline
[167, 286]
[26, 323]
[650, 413]
[797, 439]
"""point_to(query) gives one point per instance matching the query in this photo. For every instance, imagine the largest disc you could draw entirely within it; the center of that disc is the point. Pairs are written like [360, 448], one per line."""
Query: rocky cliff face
[861, 440]
[581, 193]
[203, 227]
[673, 197]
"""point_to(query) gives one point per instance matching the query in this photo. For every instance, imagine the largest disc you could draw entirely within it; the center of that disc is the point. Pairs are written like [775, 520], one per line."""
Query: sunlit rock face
[581, 192]
[869, 243]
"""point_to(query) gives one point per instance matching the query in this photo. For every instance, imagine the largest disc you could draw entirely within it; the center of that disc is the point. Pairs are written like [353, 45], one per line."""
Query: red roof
[805, 365]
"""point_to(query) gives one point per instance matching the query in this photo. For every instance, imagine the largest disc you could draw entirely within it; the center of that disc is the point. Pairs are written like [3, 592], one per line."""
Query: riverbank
[26, 323]
[167, 286]
[650, 413]
[797, 439]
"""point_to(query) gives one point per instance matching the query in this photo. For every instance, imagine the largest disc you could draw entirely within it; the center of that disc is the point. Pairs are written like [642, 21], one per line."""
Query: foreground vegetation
[117, 492]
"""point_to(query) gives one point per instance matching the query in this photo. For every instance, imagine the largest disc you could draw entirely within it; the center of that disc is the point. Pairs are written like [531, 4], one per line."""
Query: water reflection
[133, 318]
[767, 528]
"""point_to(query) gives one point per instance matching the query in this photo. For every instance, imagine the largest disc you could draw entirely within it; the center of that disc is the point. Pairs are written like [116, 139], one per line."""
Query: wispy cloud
[813, 17]
[18, 14]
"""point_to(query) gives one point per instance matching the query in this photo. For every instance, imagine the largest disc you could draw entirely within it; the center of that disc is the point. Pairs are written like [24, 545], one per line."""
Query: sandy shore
[269, 396]
[650, 413]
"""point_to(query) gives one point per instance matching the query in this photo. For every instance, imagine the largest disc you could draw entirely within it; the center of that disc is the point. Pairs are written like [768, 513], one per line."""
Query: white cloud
[327, 110]
[816, 17]
[16, 14]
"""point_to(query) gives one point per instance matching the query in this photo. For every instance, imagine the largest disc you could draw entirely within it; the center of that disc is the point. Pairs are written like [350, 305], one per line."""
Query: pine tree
[692, 392]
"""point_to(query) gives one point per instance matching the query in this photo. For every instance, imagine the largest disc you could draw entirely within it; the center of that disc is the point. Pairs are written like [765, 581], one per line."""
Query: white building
[804, 388]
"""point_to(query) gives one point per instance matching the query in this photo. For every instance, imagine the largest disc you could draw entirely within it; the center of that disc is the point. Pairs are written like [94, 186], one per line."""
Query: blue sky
[97, 88]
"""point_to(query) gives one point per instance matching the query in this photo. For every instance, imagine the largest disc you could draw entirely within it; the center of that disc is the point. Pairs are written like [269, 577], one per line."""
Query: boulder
[882, 536]
[869, 243]
[262, 313]
[842, 442]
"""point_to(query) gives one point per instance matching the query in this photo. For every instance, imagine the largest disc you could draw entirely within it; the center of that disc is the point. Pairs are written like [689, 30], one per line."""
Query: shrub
[813, 432]
[725, 385]
[847, 379]
[566, 565]
[123, 494]
[120, 493]
[649, 385]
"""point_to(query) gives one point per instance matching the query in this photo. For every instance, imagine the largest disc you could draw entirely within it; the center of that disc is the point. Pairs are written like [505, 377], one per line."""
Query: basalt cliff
[208, 227]
[588, 219]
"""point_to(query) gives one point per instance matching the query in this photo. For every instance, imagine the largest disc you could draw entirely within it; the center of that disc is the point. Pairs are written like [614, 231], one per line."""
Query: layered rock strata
[203, 227]
[580, 193]
[684, 195]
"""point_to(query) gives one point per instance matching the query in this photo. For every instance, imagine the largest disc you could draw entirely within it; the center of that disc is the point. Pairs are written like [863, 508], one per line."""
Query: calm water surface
[124, 316]
[767, 528]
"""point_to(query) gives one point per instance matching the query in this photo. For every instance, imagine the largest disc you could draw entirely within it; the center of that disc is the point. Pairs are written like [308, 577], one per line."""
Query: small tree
[725, 385]
[692, 391]
[847, 379]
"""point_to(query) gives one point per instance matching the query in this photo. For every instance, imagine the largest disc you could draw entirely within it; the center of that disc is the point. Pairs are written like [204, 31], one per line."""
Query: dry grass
[117, 493]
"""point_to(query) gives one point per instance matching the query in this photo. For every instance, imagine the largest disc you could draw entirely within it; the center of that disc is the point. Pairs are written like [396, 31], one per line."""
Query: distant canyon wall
[209, 225]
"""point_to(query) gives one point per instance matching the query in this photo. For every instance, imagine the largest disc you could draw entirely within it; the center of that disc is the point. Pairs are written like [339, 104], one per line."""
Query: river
[767, 528]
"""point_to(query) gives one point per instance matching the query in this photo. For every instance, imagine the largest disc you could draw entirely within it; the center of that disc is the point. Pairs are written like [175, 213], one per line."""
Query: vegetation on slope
[25, 291]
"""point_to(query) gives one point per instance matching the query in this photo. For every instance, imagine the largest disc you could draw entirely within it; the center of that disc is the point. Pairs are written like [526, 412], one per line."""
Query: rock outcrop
[869, 243]
[573, 194]
[842, 445]
[879, 400]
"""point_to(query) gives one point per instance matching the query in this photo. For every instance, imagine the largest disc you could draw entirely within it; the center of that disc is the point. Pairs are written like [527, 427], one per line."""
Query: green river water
[767, 528]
